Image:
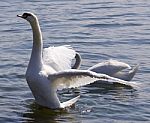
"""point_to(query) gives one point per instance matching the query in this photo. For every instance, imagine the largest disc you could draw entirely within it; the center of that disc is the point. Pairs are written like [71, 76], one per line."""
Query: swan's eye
[25, 15]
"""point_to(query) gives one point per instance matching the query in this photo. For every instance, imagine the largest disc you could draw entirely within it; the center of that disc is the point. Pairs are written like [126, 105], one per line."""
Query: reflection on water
[37, 114]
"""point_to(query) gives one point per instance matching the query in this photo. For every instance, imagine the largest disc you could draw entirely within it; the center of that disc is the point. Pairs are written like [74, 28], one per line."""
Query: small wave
[114, 25]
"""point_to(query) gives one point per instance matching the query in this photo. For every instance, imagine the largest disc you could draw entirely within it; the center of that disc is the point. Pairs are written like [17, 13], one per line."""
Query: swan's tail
[69, 102]
[133, 72]
[127, 76]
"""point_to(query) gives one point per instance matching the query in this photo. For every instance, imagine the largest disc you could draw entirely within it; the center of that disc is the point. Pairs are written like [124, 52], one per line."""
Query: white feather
[109, 67]
[69, 102]
[77, 78]
[128, 75]
[59, 58]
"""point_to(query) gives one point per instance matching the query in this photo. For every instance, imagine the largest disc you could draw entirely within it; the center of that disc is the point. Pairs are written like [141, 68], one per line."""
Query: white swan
[115, 69]
[45, 75]
[110, 67]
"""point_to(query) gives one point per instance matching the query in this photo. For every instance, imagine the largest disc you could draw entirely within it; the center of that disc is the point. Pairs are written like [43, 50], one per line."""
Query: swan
[50, 70]
[115, 69]
[110, 67]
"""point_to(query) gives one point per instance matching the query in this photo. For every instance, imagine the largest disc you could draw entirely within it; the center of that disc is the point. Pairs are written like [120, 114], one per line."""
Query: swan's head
[30, 17]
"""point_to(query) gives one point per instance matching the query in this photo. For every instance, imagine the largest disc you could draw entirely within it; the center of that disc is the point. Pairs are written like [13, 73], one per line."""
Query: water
[99, 30]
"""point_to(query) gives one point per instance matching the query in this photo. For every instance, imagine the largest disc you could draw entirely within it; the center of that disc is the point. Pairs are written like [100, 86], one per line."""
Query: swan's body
[111, 67]
[115, 69]
[50, 71]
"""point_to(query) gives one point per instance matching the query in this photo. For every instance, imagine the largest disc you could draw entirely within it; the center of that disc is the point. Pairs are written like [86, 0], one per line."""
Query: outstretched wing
[109, 67]
[77, 78]
[59, 58]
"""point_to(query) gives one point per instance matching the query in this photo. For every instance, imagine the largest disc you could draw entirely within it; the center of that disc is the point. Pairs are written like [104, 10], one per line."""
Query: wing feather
[59, 58]
[77, 78]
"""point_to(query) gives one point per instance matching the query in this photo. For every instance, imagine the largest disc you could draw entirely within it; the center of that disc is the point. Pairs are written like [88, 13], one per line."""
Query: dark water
[99, 30]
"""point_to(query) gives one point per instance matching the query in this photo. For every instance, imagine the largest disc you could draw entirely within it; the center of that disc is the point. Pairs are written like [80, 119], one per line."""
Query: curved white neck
[36, 56]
